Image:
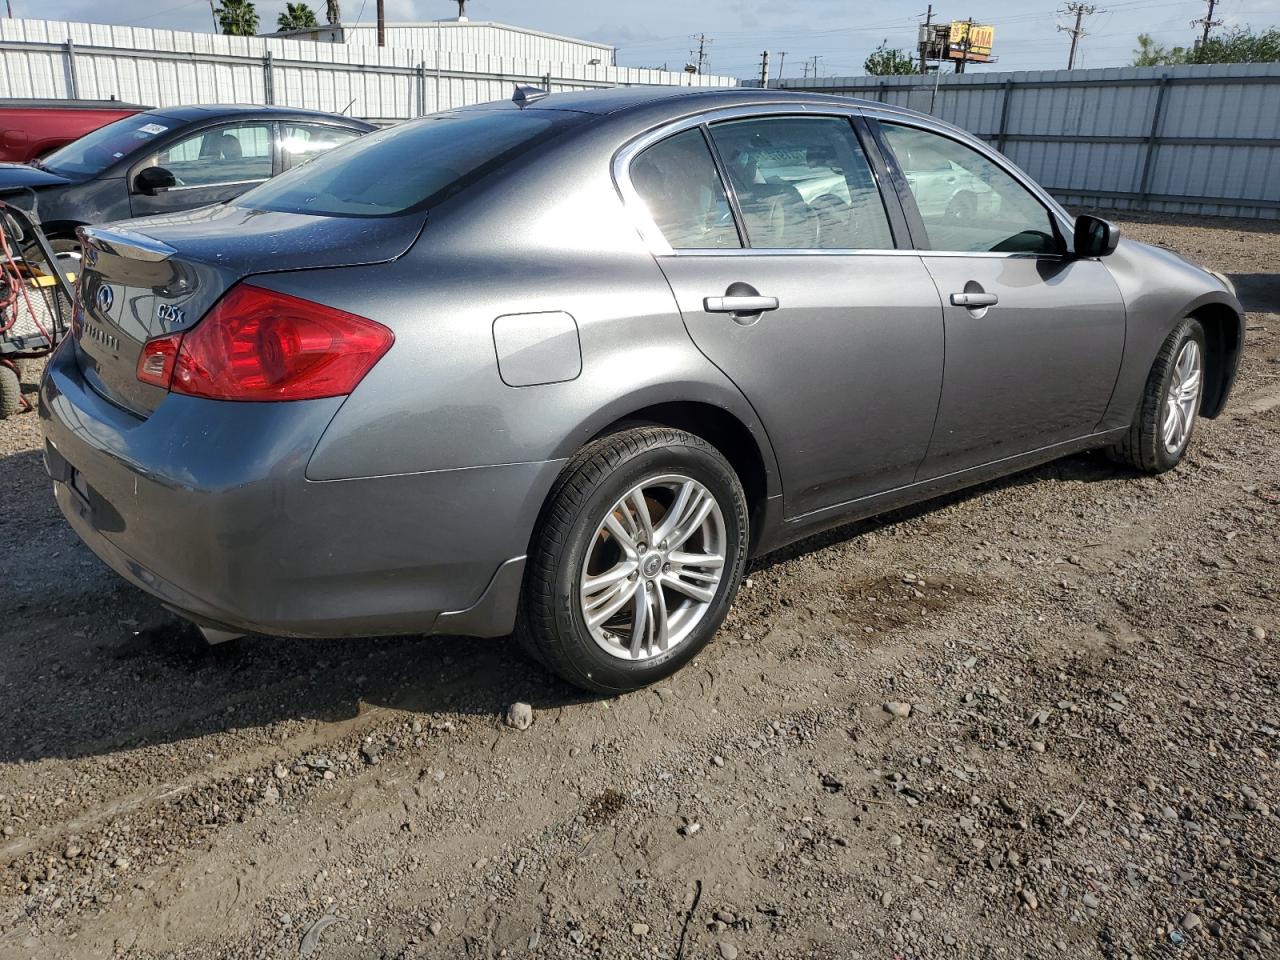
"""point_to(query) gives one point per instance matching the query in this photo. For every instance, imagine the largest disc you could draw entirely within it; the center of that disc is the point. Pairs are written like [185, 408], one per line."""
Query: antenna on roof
[527, 93]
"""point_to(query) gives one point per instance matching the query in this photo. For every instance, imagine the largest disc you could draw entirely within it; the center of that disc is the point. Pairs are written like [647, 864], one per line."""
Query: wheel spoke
[710, 561]
[659, 618]
[641, 623]
[620, 533]
[691, 590]
[593, 585]
[1190, 387]
[672, 519]
[689, 525]
[644, 521]
[611, 603]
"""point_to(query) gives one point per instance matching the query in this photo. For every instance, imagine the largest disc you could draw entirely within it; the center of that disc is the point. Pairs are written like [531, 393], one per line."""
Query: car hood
[20, 176]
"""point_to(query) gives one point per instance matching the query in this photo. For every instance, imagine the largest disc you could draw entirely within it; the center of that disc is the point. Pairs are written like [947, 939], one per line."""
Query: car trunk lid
[158, 276]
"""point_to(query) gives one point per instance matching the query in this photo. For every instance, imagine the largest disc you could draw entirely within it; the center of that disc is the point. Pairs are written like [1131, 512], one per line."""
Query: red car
[31, 128]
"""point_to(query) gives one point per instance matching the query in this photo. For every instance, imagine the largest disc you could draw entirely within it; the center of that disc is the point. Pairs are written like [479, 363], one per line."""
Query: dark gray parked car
[176, 158]
[560, 367]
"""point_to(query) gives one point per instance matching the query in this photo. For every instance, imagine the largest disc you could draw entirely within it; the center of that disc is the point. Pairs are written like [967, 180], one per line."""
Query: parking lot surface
[1039, 718]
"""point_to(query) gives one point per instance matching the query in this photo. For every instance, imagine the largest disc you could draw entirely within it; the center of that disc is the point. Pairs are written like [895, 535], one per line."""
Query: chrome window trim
[634, 204]
[857, 252]
[220, 183]
[1055, 210]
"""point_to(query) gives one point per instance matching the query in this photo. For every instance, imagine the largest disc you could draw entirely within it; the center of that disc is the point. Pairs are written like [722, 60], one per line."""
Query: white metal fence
[51, 58]
[1201, 139]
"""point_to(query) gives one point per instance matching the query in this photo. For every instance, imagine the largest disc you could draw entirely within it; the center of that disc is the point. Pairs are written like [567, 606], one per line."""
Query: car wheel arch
[738, 435]
[1224, 339]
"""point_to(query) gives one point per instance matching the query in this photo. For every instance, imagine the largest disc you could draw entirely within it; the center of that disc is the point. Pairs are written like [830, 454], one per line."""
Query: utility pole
[764, 69]
[816, 58]
[964, 53]
[703, 43]
[1207, 22]
[1081, 10]
[382, 24]
[924, 45]
[217, 27]
[782, 58]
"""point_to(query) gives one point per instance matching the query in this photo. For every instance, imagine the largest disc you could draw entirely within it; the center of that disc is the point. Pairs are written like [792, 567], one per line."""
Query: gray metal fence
[1201, 139]
[53, 58]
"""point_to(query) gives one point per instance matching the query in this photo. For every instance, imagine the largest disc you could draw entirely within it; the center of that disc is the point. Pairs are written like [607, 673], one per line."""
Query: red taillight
[155, 362]
[256, 344]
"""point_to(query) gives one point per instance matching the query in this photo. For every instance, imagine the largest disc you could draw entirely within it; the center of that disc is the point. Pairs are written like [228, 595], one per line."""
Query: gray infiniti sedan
[559, 366]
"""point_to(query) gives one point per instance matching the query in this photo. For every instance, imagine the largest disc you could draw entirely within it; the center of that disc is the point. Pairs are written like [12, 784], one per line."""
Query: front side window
[803, 183]
[679, 184]
[300, 142]
[967, 202]
[227, 154]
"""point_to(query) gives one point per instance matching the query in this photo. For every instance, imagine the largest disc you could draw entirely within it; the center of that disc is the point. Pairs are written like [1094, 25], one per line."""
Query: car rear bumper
[206, 506]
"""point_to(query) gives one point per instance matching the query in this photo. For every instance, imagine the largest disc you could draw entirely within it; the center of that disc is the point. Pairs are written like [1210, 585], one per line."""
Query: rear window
[99, 149]
[407, 167]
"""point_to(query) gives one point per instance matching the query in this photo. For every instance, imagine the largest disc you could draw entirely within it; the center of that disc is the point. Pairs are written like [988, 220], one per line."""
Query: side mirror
[153, 180]
[1095, 237]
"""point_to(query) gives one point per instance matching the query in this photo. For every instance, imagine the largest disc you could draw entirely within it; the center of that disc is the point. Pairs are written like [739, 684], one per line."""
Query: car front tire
[636, 560]
[1162, 430]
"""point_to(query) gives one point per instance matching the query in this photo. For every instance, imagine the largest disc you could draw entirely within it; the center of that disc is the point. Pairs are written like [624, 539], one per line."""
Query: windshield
[94, 152]
[407, 167]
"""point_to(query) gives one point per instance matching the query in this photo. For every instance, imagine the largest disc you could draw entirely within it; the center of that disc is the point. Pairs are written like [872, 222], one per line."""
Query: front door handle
[972, 300]
[756, 304]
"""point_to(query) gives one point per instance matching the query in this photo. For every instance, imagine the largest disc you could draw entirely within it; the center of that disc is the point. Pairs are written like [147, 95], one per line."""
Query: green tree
[886, 60]
[296, 16]
[238, 18]
[1152, 54]
[1240, 45]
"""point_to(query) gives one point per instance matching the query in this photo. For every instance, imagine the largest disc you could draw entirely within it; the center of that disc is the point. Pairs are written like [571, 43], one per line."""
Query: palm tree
[296, 16]
[462, 9]
[238, 18]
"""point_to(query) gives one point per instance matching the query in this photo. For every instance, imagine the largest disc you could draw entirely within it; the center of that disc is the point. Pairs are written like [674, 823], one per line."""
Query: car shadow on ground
[90, 666]
[1258, 292]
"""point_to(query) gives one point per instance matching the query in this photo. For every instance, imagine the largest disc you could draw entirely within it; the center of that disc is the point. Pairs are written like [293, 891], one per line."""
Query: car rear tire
[1165, 422]
[637, 557]
[10, 392]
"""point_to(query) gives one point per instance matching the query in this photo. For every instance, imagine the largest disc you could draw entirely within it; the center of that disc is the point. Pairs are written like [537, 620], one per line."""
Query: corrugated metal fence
[1201, 139]
[49, 58]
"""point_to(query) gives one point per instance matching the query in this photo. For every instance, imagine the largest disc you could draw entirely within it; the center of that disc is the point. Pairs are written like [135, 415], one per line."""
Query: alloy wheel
[1182, 401]
[653, 567]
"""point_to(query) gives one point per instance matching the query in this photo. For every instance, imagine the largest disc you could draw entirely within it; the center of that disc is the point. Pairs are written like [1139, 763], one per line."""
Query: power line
[1080, 10]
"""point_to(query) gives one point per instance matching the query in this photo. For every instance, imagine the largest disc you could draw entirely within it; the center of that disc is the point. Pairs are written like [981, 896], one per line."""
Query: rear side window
[803, 183]
[410, 166]
[967, 202]
[679, 184]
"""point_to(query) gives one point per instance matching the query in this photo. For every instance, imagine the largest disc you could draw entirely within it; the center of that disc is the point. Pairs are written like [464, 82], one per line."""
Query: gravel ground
[1037, 719]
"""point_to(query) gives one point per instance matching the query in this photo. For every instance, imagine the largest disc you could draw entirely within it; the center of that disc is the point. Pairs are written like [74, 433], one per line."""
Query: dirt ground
[1038, 719]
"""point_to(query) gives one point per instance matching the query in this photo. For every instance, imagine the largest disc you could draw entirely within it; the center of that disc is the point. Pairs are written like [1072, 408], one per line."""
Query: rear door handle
[974, 300]
[739, 304]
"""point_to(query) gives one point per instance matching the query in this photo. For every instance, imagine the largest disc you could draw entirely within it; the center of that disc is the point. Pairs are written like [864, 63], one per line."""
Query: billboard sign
[970, 41]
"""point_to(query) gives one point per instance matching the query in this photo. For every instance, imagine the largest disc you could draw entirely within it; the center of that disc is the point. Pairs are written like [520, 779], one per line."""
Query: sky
[839, 32]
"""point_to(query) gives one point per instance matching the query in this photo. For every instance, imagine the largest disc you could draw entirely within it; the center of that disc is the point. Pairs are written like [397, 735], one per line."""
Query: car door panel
[1033, 369]
[1034, 336]
[844, 374]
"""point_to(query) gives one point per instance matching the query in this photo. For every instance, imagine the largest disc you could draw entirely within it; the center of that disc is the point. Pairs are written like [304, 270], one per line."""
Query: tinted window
[227, 154]
[803, 183]
[96, 151]
[967, 202]
[678, 181]
[409, 166]
[300, 142]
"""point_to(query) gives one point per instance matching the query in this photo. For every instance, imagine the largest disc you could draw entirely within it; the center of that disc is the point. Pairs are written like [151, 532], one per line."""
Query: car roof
[624, 99]
[209, 111]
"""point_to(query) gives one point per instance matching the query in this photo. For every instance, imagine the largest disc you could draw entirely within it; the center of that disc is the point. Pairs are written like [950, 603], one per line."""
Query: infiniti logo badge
[105, 298]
